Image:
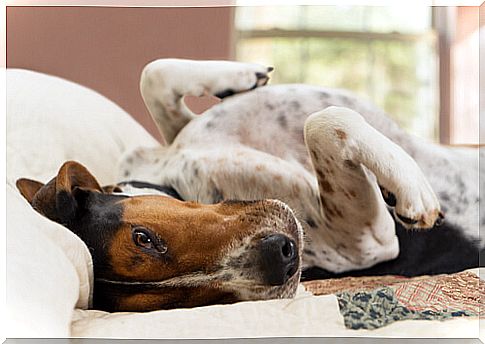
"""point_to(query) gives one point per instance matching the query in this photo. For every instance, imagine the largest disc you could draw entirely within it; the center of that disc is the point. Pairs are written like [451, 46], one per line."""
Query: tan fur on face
[196, 235]
[212, 253]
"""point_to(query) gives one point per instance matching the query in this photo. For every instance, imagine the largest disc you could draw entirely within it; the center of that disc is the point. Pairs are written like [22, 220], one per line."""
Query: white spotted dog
[356, 181]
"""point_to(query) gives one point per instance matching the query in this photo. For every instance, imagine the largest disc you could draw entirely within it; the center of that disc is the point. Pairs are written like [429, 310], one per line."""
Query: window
[377, 52]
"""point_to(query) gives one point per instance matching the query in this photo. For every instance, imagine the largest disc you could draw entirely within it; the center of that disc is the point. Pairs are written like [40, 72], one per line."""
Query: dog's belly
[271, 120]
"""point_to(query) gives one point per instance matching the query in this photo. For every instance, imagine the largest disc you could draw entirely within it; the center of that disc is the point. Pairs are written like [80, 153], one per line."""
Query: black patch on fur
[444, 196]
[440, 250]
[97, 219]
[350, 164]
[282, 121]
[170, 191]
[406, 219]
[226, 93]
[66, 206]
[389, 197]
[217, 195]
[311, 222]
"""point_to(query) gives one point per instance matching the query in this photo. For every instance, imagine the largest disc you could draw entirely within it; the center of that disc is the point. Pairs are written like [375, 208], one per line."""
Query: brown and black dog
[156, 252]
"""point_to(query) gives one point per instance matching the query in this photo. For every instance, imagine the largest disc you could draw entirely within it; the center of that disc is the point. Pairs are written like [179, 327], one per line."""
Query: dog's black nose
[279, 258]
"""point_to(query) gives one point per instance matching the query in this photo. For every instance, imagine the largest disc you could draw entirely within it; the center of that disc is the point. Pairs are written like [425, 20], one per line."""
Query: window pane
[399, 75]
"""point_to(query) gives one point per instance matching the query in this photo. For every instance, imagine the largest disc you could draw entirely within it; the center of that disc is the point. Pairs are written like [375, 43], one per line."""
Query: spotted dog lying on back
[203, 220]
[356, 181]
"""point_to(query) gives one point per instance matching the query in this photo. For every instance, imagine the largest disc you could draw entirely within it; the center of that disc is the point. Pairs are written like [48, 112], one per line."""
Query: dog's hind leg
[353, 163]
[165, 82]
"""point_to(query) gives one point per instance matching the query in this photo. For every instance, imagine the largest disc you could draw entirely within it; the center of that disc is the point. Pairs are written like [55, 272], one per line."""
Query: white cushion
[49, 121]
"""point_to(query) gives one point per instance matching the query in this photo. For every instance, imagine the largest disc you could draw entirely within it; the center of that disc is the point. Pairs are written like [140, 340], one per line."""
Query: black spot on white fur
[282, 121]
[308, 252]
[217, 195]
[311, 222]
[225, 93]
[389, 197]
[168, 190]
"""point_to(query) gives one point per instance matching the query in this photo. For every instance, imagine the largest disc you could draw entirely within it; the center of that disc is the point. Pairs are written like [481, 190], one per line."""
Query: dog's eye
[145, 238]
[142, 239]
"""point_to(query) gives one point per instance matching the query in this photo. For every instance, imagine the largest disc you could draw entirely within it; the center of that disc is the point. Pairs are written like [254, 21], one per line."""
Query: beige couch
[49, 269]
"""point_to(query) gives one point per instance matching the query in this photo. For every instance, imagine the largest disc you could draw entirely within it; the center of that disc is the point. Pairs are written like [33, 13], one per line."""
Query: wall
[465, 122]
[105, 48]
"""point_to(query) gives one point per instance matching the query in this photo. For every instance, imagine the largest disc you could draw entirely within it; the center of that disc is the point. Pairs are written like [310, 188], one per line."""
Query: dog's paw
[169, 77]
[414, 203]
[236, 77]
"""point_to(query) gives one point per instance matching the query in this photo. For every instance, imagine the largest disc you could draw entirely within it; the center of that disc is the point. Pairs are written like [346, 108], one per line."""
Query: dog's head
[156, 252]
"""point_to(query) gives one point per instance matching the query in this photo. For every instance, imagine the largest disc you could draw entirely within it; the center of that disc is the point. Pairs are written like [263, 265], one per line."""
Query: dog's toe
[419, 215]
[414, 201]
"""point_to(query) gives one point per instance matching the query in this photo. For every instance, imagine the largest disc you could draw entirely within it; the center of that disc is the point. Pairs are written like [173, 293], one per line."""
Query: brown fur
[209, 229]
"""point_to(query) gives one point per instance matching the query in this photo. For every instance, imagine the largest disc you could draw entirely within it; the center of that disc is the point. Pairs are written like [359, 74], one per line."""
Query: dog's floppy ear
[62, 197]
[28, 188]
[73, 182]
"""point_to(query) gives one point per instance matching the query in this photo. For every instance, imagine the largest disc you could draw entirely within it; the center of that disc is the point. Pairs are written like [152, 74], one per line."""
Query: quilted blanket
[373, 302]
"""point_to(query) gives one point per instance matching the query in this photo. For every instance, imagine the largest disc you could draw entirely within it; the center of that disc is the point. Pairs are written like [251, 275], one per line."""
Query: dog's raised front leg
[351, 161]
[165, 82]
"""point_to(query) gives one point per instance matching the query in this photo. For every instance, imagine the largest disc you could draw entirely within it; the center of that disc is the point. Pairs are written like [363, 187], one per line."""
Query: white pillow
[49, 121]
